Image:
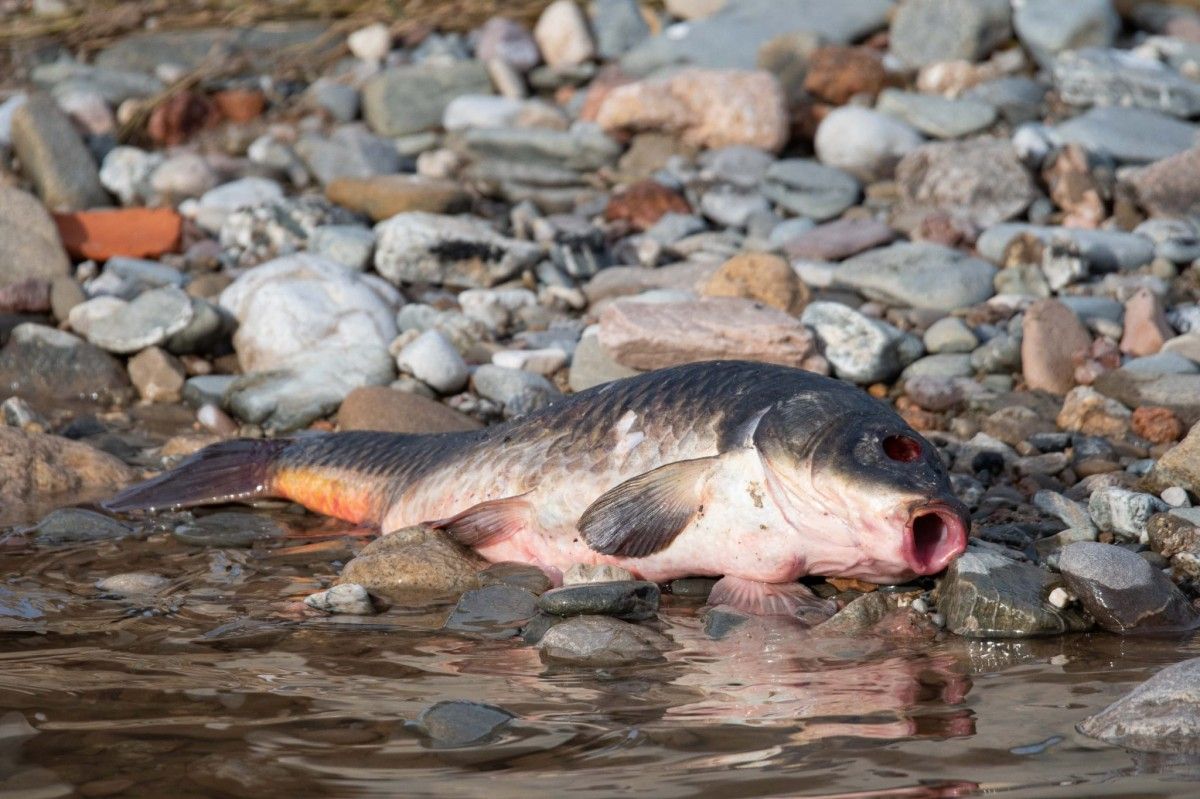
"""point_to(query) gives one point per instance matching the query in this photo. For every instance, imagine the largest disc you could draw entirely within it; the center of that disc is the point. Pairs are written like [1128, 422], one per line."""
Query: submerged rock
[459, 723]
[602, 641]
[494, 611]
[230, 529]
[347, 598]
[70, 525]
[1160, 715]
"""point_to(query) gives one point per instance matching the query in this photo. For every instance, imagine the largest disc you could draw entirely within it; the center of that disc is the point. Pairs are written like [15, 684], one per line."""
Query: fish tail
[229, 471]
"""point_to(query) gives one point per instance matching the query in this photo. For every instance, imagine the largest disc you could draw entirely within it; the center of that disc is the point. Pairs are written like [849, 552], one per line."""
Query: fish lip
[928, 549]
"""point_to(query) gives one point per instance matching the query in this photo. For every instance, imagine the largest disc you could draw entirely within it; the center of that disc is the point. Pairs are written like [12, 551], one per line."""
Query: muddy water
[221, 685]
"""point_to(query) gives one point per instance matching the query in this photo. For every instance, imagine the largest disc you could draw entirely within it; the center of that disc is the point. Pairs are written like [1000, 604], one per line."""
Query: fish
[751, 472]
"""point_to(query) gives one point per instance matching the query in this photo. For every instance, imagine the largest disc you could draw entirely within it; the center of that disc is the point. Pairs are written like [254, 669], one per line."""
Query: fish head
[869, 487]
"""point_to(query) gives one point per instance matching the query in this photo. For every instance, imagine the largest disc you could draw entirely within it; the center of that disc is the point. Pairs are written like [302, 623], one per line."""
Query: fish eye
[902, 448]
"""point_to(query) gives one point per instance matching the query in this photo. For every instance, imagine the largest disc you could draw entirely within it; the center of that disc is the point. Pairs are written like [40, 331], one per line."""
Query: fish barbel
[756, 473]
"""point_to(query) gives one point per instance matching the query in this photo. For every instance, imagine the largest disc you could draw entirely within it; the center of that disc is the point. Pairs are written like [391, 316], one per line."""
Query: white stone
[349, 245]
[347, 598]
[1059, 597]
[433, 360]
[183, 175]
[242, 193]
[88, 110]
[495, 307]
[126, 172]
[133, 583]
[371, 43]
[562, 35]
[543, 362]
[863, 142]
[480, 111]
[1176, 497]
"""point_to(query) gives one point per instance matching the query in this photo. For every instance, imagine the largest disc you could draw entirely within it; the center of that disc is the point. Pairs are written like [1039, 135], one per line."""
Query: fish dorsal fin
[488, 522]
[644, 514]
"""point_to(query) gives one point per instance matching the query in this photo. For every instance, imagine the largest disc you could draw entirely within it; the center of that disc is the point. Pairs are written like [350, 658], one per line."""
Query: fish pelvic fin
[488, 522]
[771, 599]
[229, 471]
[645, 513]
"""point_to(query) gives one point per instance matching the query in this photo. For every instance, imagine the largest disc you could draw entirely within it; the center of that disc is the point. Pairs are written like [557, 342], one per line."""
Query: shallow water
[224, 686]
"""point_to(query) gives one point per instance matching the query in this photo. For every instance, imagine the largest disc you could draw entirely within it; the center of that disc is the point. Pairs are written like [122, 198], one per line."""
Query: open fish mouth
[935, 535]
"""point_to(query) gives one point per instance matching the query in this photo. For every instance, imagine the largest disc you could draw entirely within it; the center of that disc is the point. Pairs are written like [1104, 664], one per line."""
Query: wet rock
[348, 599]
[1052, 337]
[865, 143]
[601, 641]
[228, 530]
[414, 564]
[692, 587]
[434, 361]
[348, 245]
[29, 243]
[1160, 715]
[1146, 327]
[72, 525]
[1123, 592]
[979, 179]
[927, 31]
[705, 108]
[762, 277]
[383, 196]
[458, 723]
[1087, 411]
[412, 99]
[494, 611]
[1048, 27]
[860, 349]
[918, 275]
[722, 620]
[157, 375]
[653, 336]
[39, 362]
[1124, 513]
[459, 251]
[39, 465]
[987, 595]
[55, 158]
[562, 35]
[392, 411]
[584, 573]
[519, 575]
[625, 599]
[133, 584]
[1096, 76]
[939, 117]
[1129, 135]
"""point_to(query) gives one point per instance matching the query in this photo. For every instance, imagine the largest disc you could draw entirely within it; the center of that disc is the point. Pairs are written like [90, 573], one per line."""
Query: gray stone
[464, 251]
[433, 360]
[1160, 715]
[1047, 27]
[927, 31]
[1124, 513]
[722, 620]
[1073, 514]
[1129, 135]
[1177, 240]
[339, 100]
[732, 207]
[126, 327]
[493, 611]
[349, 599]
[987, 595]
[1090, 308]
[1017, 99]
[206, 389]
[860, 349]
[412, 99]
[257, 47]
[252, 235]
[455, 723]
[937, 116]
[945, 365]
[950, 334]
[809, 189]
[55, 158]
[349, 245]
[112, 86]
[602, 641]
[74, 525]
[207, 329]
[626, 599]
[29, 243]
[509, 41]
[287, 399]
[586, 573]
[1123, 592]
[998, 354]
[129, 277]
[618, 26]
[1180, 393]
[584, 147]
[228, 530]
[1163, 363]
[692, 587]
[732, 37]
[518, 391]
[519, 575]
[592, 366]
[350, 152]
[1104, 250]
[918, 275]
[979, 179]
[1104, 77]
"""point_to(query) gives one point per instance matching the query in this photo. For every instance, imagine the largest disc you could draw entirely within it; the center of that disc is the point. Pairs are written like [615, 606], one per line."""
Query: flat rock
[229, 529]
[122, 327]
[918, 275]
[461, 251]
[1122, 591]
[979, 179]
[602, 641]
[38, 465]
[414, 564]
[1104, 250]
[987, 595]
[653, 336]
[40, 363]
[493, 611]
[809, 189]
[29, 243]
[412, 99]
[74, 525]
[1129, 135]
[937, 116]
[55, 157]
[1179, 392]
[1160, 715]
[626, 599]
[392, 411]
[839, 239]
[1095, 76]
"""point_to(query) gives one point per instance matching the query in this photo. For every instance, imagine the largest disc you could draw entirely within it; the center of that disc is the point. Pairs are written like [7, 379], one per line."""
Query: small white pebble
[938, 619]
[347, 598]
[133, 584]
[920, 605]
[1060, 598]
[1059, 660]
[1176, 497]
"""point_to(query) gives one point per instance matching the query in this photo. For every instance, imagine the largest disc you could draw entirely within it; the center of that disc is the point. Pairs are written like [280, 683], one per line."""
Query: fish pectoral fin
[771, 599]
[488, 522]
[645, 513]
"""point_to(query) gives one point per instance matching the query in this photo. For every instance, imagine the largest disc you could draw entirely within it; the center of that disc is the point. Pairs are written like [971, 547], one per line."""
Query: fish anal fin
[771, 599]
[645, 513]
[488, 522]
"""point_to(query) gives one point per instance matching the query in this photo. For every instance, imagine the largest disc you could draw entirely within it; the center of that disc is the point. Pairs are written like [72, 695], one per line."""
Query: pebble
[392, 411]
[1122, 591]
[809, 189]
[460, 723]
[412, 99]
[349, 245]
[860, 349]
[1160, 715]
[1124, 513]
[493, 611]
[370, 43]
[762, 277]
[462, 251]
[434, 361]
[1129, 135]
[29, 241]
[1146, 327]
[562, 35]
[1104, 250]
[938, 117]
[122, 327]
[157, 375]
[542, 361]
[517, 391]
[591, 365]
[1095, 76]
[412, 565]
[74, 525]
[981, 180]
[601, 641]
[133, 584]
[950, 334]
[1047, 27]
[348, 599]
[54, 156]
[867, 144]
[42, 363]
[520, 575]
[618, 26]
[1052, 338]
[918, 275]
[927, 31]
[509, 41]
[228, 530]
[625, 599]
